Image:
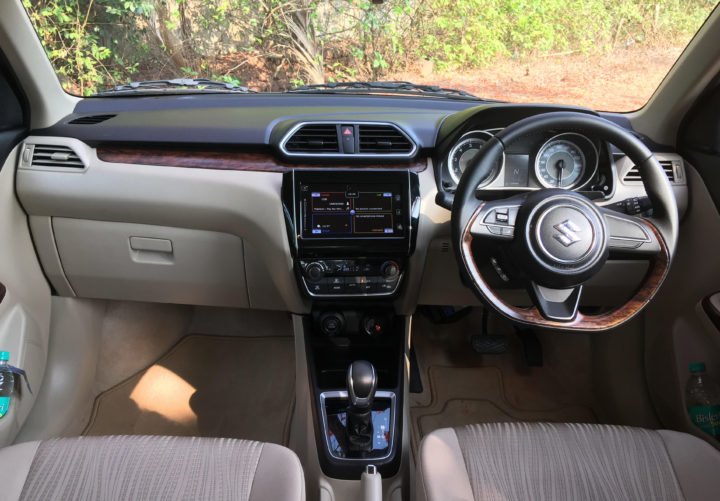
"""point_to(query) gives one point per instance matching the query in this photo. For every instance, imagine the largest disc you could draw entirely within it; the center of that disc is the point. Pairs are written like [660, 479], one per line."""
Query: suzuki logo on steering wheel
[567, 233]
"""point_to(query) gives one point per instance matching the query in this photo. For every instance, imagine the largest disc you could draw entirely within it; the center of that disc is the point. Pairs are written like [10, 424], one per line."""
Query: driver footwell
[461, 386]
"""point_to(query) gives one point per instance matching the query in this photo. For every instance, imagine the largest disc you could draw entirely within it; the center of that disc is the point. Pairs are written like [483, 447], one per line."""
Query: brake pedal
[488, 344]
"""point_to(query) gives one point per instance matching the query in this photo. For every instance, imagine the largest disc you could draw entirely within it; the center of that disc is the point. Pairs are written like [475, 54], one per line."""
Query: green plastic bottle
[7, 383]
[702, 395]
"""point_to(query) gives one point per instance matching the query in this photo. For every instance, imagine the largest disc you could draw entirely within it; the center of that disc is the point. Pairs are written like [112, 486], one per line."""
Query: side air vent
[381, 139]
[91, 119]
[47, 156]
[314, 139]
[634, 174]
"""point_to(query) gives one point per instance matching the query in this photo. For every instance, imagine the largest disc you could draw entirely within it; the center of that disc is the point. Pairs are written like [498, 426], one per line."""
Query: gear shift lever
[362, 383]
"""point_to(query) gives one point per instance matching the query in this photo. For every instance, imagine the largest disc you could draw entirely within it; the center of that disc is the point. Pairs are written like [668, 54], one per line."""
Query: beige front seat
[522, 461]
[150, 468]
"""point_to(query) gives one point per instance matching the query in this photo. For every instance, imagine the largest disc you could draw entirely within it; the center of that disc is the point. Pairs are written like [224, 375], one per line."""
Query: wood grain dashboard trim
[227, 160]
[659, 266]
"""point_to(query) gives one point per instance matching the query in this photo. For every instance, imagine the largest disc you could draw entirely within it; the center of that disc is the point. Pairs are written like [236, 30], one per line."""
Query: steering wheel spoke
[560, 305]
[496, 220]
[630, 236]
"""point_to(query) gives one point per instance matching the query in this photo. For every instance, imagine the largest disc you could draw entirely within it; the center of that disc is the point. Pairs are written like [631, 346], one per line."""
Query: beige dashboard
[218, 237]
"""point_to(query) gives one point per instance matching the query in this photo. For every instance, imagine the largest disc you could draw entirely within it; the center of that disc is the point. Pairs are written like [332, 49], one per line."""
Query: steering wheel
[559, 239]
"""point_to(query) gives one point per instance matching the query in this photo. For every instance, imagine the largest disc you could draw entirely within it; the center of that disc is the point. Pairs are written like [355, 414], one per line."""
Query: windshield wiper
[176, 85]
[394, 87]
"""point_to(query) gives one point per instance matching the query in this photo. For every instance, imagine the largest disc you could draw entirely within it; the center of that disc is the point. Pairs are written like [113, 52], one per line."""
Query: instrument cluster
[565, 160]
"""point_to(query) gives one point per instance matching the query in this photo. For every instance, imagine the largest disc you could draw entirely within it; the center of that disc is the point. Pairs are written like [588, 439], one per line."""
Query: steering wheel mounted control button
[496, 221]
[627, 229]
[629, 233]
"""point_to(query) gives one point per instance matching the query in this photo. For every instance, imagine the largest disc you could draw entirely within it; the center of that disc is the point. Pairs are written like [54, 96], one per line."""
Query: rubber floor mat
[210, 386]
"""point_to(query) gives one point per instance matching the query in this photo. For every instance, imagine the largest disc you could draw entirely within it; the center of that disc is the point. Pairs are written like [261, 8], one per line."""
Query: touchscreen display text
[347, 211]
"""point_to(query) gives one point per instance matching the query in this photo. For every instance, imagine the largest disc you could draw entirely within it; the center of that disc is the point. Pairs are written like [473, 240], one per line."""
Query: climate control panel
[353, 277]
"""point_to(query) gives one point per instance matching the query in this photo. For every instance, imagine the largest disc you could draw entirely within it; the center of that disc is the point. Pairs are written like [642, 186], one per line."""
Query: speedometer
[560, 163]
[464, 151]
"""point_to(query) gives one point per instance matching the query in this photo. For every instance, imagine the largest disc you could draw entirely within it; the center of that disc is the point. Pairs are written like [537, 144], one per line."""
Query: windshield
[604, 54]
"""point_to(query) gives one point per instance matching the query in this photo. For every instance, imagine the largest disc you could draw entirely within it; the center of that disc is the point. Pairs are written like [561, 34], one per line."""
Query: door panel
[25, 309]
[25, 305]
[678, 329]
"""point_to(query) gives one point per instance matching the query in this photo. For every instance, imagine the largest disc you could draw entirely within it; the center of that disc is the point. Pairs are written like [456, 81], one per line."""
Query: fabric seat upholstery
[150, 468]
[520, 461]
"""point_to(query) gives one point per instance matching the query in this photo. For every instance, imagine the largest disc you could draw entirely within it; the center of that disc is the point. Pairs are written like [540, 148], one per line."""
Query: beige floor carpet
[212, 386]
[463, 387]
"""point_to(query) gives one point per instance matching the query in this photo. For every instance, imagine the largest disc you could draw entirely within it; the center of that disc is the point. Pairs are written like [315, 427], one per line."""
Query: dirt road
[620, 81]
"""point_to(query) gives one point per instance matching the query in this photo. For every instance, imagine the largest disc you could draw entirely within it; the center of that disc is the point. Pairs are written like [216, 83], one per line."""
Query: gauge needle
[560, 166]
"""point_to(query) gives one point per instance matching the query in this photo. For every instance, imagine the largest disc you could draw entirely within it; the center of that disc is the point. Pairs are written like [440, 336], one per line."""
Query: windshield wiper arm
[176, 84]
[399, 87]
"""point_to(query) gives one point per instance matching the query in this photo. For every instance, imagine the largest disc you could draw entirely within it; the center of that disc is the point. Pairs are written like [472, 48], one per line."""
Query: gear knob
[361, 383]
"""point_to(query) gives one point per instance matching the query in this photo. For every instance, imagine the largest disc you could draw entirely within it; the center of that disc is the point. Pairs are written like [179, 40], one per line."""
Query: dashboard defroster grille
[91, 119]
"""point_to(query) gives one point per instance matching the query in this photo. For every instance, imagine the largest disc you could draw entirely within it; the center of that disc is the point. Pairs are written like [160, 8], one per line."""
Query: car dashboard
[290, 201]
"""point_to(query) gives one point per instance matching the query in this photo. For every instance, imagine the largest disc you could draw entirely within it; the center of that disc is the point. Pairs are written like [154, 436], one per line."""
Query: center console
[356, 377]
[351, 233]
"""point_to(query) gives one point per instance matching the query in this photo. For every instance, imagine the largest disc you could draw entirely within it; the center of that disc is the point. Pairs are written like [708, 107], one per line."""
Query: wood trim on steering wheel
[659, 266]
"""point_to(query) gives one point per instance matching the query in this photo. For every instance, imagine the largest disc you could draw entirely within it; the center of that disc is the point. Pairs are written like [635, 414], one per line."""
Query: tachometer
[560, 163]
[464, 151]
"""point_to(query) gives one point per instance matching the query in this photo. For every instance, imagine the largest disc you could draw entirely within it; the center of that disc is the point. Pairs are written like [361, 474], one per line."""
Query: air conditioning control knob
[390, 269]
[315, 271]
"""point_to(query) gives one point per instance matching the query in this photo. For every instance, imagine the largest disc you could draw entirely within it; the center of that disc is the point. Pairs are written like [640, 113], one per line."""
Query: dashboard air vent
[45, 156]
[634, 175]
[91, 119]
[383, 139]
[314, 138]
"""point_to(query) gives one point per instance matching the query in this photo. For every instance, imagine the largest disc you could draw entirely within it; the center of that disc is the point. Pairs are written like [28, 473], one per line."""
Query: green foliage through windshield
[520, 50]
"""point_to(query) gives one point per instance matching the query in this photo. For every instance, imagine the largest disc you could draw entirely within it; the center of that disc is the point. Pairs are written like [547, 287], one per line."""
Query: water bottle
[7, 382]
[703, 400]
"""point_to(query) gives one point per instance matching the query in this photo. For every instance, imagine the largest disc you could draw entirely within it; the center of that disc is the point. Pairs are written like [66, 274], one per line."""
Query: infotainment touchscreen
[352, 211]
